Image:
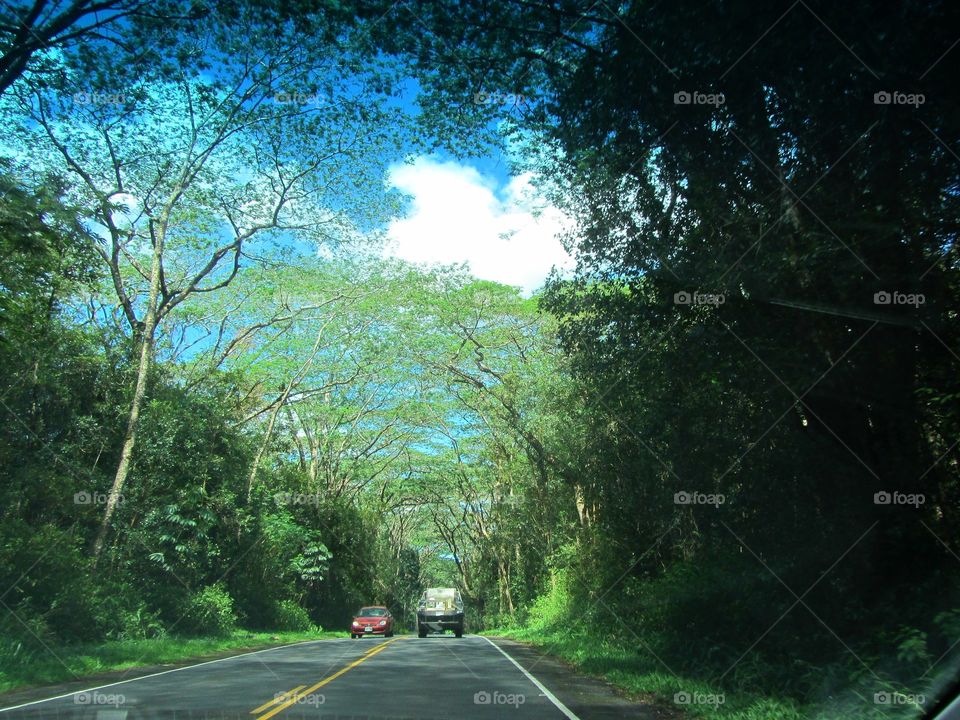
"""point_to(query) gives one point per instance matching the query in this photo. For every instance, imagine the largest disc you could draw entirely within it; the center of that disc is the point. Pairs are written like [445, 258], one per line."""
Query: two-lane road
[435, 678]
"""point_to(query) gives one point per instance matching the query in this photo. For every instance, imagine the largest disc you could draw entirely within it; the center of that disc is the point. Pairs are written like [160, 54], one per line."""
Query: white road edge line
[157, 674]
[550, 696]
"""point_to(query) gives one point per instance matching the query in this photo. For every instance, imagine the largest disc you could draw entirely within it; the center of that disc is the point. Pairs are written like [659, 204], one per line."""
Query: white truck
[439, 610]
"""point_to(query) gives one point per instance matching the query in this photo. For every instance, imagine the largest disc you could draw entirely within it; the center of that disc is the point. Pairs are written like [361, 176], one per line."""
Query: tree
[47, 255]
[182, 172]
[32, 32]
[752, 186]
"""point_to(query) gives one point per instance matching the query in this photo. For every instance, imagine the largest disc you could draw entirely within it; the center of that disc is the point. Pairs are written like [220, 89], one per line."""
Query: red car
[373, 620]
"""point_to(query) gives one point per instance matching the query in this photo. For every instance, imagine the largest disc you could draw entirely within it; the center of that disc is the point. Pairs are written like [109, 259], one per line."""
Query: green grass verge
[20, 668]
[636, 672]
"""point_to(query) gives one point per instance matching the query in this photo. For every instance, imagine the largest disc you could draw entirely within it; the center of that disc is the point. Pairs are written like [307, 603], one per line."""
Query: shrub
[288, 615]
[553, 607]
[137, 624]
[210, 612]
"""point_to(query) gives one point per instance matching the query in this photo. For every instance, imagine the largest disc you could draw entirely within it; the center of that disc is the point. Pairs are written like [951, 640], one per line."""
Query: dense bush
[290, 616]
[209, 612]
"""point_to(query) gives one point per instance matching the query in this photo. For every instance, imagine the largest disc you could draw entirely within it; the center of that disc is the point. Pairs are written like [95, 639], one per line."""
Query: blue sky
[471, 211]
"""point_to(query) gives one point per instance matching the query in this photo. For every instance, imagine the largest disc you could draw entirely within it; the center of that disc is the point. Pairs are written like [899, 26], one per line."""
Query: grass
[21, 668]
[641, 676]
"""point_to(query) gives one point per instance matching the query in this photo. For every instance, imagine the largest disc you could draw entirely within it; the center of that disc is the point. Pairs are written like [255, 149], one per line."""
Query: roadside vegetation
[716, 464]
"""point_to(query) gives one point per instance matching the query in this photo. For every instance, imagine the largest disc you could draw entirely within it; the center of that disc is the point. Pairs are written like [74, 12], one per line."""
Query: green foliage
[311, 564]
[912, 648]
[798, 397]
[139, 623]
[290, 616]
[209, 611]
[46, 254]
[555, 607]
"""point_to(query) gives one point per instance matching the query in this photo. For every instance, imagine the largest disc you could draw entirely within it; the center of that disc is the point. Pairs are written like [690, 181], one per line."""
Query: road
[435, 678]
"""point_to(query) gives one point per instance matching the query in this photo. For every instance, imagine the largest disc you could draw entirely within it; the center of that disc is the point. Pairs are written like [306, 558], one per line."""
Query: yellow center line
[303, 693]
[374, 648]
[278, 698]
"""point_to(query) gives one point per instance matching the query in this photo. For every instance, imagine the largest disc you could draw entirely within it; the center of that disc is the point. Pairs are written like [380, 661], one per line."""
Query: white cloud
[459, 215]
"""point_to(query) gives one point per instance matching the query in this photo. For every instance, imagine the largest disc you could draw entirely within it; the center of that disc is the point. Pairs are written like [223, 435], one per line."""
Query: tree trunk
[266, 442]
[140, 390]
[503, 570]
[582, 511]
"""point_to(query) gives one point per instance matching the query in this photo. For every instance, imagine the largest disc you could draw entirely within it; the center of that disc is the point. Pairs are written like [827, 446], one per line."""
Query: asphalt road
[434, 678]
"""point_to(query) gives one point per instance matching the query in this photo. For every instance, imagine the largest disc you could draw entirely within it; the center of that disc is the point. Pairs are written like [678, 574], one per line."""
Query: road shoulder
[587, 697]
